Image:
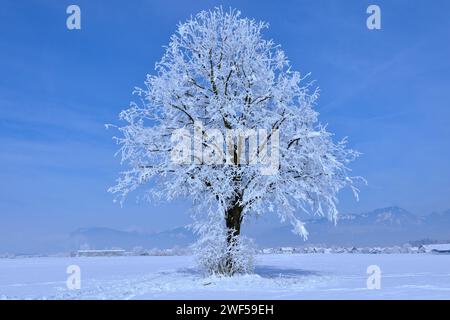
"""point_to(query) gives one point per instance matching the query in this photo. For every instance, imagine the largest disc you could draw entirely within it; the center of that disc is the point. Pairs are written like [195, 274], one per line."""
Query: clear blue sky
[388, 90]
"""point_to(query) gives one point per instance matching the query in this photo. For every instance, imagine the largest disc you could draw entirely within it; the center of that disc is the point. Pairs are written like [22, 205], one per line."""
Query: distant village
[443, 248]
[405, 249]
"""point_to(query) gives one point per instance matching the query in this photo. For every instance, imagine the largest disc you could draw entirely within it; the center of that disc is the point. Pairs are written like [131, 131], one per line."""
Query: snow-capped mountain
[384, 226]
[391, 216]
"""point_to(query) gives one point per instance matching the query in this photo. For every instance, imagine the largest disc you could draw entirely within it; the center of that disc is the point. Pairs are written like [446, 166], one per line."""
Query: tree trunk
[233, 219]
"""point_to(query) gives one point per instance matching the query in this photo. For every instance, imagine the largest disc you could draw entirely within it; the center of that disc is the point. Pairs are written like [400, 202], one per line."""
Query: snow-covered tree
[219, 73]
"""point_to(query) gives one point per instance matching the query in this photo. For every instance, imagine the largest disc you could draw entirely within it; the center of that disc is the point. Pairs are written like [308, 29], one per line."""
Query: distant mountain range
[381, 227]
[101, 238]
[386, 226]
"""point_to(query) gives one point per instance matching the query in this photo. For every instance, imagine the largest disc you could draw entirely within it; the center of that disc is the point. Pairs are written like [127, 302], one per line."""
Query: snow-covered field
[288, 276]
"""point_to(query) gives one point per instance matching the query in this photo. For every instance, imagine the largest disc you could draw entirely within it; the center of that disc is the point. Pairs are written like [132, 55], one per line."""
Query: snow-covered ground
[281, 276]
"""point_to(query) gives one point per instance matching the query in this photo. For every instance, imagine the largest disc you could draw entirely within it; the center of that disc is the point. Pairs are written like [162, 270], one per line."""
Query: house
[375, 251]
[287, 249]
[443, 248]
[422, 249]
[353, 250]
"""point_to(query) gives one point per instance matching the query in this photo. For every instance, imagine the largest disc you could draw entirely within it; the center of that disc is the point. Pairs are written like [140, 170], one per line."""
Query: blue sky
[388, 90]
